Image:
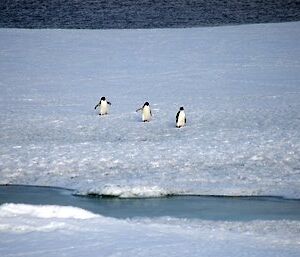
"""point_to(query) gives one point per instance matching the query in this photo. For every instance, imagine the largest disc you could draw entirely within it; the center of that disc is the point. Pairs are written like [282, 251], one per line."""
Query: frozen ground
[27, 230]
[240, 87]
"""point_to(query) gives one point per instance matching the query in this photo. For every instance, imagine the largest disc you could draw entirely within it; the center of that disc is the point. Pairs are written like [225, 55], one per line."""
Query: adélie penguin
[180, 118]
[103, 106]
[146, 112]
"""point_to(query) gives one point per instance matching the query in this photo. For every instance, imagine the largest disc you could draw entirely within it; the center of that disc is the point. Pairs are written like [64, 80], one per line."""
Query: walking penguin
[103, 106]
[146, 112]
[180, 118]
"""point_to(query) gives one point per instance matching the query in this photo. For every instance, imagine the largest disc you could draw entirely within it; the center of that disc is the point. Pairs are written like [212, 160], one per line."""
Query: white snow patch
[44, 211]
[128, 191]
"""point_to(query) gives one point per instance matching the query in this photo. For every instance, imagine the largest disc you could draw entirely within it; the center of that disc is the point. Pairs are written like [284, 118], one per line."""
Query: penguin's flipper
[177, 115]
[184, 120]
[109, 103]
[139, 109]
[96, 106]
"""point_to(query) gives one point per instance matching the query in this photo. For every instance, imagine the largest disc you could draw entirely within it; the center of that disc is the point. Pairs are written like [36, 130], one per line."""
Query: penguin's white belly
[103, 108]
[146, 114]
[181, 119]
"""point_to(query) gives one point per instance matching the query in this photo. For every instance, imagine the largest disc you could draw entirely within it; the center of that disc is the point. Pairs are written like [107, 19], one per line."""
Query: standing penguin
[146, 112]
[180, 118]
[103, 106]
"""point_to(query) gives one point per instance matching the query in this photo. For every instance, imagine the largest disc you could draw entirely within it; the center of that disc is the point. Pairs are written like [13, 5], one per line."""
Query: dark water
[189, 207]
[106, 14]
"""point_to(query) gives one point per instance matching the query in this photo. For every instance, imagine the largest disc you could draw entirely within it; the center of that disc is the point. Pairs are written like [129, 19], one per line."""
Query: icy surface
[239, 86]
[44, 211]
[24, 233]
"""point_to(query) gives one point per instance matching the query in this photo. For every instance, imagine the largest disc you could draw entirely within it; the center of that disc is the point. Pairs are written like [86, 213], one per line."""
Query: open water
[187, 207]
[121, 14]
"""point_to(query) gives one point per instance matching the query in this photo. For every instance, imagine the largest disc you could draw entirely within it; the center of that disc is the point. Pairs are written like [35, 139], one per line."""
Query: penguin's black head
[181, 109]
[146, 104]
[102, 98]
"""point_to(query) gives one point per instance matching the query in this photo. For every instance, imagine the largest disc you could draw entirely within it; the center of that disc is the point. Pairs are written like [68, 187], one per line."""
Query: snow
[128, 192]
[44, 211]
[239, 86]
[29, 234]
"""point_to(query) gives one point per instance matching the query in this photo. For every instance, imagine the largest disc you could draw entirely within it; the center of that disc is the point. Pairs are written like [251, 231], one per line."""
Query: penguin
[146, 112]
[180, 118]
[103, 106]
